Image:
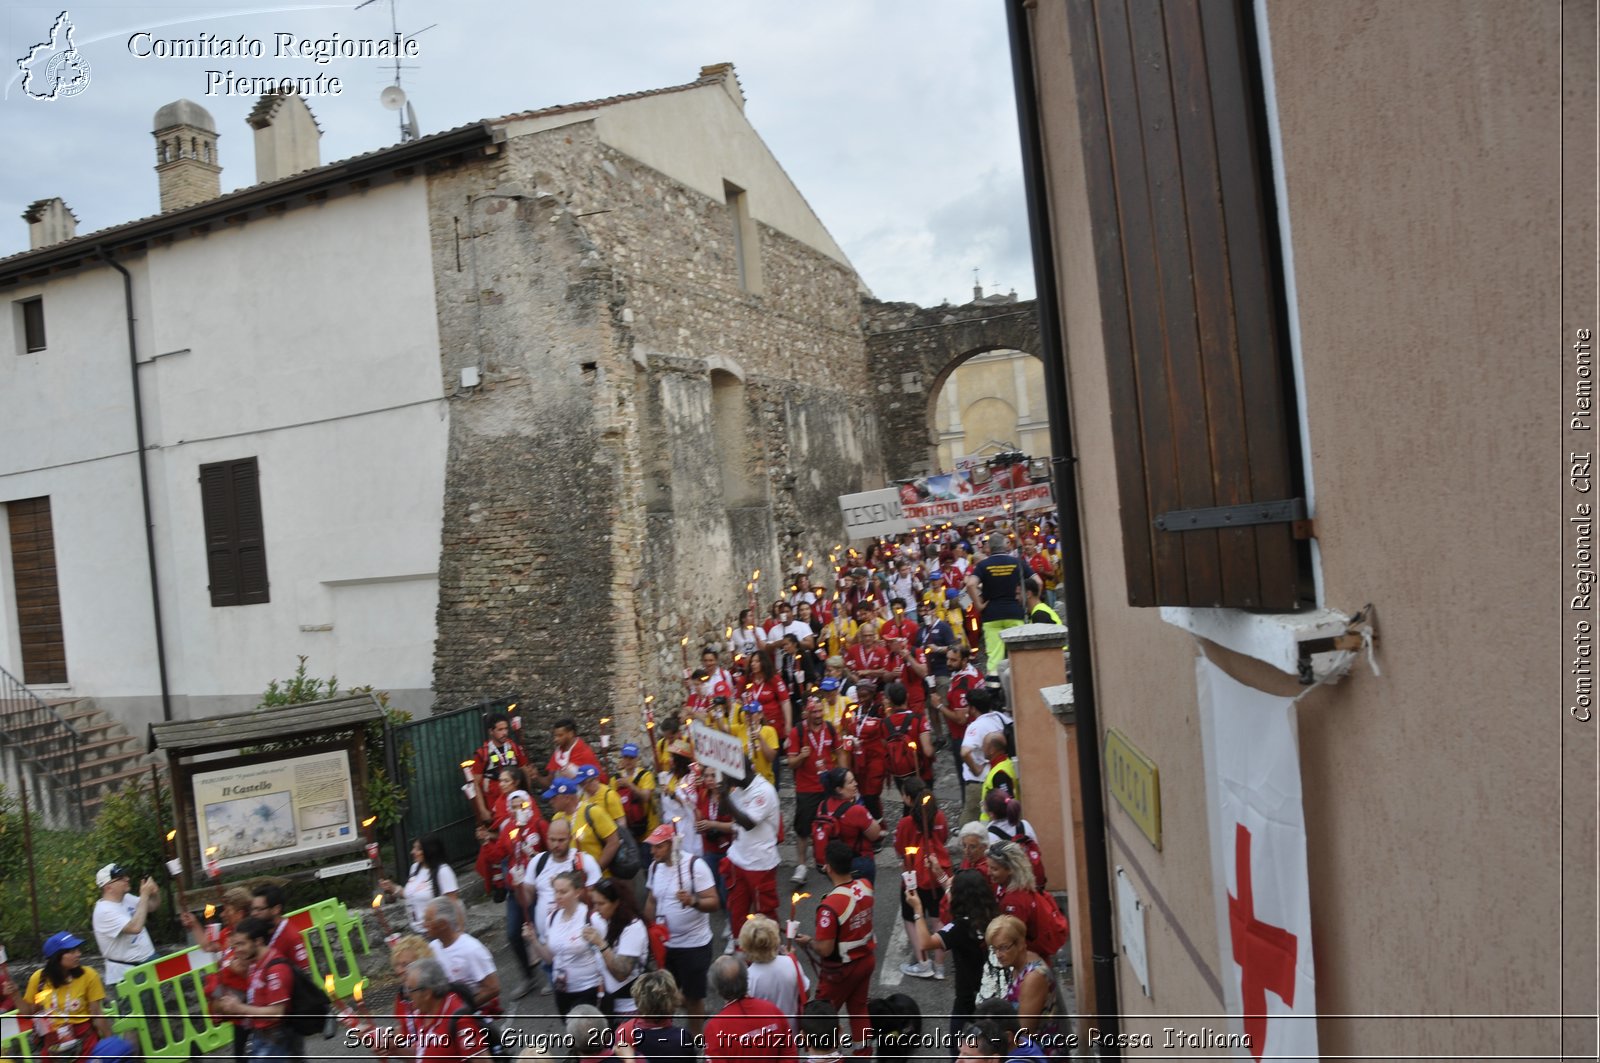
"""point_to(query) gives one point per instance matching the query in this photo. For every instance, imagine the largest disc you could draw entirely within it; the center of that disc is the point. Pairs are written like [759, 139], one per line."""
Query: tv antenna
[393, 97]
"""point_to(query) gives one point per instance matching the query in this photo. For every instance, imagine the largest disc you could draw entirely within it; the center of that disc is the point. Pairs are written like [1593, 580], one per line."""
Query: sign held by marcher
[717, 750]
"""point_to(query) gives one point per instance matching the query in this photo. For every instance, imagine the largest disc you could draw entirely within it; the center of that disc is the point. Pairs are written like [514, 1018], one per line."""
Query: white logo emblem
[54, 68]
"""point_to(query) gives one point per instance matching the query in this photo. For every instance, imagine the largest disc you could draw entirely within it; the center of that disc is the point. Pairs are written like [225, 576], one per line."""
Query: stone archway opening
[988, 400]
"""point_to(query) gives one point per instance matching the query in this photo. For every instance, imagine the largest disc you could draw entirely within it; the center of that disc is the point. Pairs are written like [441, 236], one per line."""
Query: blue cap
[586, 772]
[60, 942]
[952, 593]
[629, 749]
[561, 786]
[829, 682]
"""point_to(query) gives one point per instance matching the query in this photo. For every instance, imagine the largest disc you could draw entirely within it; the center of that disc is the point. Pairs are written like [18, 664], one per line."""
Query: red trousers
[846, 987]
[750, 893]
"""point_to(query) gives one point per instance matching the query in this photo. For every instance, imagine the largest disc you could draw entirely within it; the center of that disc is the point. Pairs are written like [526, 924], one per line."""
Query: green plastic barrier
[162, 1003]
[15, 1044]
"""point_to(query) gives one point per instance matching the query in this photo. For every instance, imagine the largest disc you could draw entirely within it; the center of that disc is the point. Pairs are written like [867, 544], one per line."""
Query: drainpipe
[1075, 599]
[144, 481]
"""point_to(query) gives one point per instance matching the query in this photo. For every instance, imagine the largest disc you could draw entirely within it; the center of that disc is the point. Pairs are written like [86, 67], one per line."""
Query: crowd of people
[613, 865]
[615, 876]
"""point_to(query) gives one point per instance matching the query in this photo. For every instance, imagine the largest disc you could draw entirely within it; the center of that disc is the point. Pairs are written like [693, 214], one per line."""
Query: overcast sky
[894, 117]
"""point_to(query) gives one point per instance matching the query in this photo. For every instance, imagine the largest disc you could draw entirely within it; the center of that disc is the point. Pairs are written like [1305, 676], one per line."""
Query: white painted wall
[311, 344]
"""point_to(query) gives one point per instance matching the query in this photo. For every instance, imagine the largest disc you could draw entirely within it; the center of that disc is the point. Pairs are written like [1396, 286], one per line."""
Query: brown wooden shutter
[236, 549]
[1182, 219]
[33, 566]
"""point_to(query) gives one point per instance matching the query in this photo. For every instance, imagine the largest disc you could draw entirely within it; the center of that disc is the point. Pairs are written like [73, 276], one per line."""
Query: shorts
[805, 812]
[930, 905]
[689, 967]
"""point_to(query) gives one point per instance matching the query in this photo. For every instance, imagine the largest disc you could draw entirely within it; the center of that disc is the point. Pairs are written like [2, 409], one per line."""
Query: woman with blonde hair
[775, 975]
[1014, 885]
[650, 1034]
[1031, 984]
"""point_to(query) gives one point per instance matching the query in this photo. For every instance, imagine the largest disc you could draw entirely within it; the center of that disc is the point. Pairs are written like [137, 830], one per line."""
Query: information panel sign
[283, 808]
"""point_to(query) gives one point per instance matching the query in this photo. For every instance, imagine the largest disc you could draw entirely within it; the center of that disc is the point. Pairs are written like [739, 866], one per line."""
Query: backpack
[904, 754]
[1047, 926]
[824, 828]
[626, 862]
[307, 1012]
[1027, 845]
[636, 809]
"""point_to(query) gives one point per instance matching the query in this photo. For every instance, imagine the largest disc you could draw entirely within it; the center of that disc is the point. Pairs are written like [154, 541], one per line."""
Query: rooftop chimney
[730, 80]
[287, 136]
[186, 155]
[49, 222]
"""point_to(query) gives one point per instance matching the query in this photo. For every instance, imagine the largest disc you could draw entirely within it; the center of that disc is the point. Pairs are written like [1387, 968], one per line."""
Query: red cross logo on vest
[1265, 954]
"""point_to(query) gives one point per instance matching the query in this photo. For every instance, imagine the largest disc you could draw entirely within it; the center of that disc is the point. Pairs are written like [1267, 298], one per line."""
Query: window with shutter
[33, 571]
[236, 548]
[1191, 297]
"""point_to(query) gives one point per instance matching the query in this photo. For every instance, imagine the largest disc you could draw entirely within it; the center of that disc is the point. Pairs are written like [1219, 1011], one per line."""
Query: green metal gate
[434, 802]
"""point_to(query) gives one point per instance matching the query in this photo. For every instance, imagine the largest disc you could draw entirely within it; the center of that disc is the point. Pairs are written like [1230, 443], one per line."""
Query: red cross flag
[1258, 865]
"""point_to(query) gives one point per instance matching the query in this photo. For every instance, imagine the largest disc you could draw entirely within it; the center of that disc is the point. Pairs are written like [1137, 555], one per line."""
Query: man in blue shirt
[996, 584]
[937, 642]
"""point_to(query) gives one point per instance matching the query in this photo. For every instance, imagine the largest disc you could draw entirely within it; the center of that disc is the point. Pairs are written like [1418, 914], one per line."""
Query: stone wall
[911, 350]
[534, 581]
[647, 434]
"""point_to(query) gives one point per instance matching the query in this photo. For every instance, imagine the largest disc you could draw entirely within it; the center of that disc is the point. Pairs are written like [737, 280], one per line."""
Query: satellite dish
[393, 98]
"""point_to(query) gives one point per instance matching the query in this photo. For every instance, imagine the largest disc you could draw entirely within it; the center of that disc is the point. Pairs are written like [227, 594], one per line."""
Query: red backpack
[905, 750]
[1047, 925]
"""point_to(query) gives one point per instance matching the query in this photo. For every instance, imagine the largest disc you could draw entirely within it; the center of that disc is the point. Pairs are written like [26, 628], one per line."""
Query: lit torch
[794, 914]
[605, 739]
[213, 865]
[910, 877]
[372, 841]
[174, 865]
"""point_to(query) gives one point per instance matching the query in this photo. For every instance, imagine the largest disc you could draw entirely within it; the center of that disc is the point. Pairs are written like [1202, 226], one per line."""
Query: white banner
[1258, 867]
[717, 750]
[872, 514]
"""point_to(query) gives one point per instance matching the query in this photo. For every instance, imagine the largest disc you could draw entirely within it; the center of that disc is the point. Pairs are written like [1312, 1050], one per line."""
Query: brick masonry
[911, 350]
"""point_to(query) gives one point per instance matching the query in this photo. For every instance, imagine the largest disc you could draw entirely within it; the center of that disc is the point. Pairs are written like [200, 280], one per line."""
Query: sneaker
[523, 990]
[731, 945]
[938, 973]
[799, 876]
[918, 970]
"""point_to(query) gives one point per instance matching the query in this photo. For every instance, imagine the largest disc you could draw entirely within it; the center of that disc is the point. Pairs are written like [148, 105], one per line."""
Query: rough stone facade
[912, 350]
[647, 433]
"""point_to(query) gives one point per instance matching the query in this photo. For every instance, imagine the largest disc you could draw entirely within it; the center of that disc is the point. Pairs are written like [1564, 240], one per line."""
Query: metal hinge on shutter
[1286, 511]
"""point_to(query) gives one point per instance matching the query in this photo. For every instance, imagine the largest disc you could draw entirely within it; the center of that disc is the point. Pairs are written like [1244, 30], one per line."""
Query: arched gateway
[911, 352]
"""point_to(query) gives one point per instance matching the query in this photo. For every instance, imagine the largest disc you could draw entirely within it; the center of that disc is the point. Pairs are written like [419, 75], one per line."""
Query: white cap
[109, 874]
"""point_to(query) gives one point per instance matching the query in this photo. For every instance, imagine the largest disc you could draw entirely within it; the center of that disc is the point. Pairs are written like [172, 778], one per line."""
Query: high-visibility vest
[1005, 767]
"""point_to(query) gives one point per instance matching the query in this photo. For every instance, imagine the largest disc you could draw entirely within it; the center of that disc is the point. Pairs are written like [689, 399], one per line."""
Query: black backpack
[308, 1007]
[626, 863]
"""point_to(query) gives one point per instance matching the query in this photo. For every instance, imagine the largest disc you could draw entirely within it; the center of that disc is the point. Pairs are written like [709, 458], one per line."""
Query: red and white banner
[971, 507]
[1258, 867]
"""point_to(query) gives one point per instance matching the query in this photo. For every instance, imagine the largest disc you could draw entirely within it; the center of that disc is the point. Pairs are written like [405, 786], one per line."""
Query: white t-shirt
[465, 960]
[972, 740]
[120, 950]
[570, 954]
[755, 849]
[1002, 829]
[418, 890]
[634, 942]
[544, 882]
[682, 811]
[746, 640]
[687, 928]
[775, 981]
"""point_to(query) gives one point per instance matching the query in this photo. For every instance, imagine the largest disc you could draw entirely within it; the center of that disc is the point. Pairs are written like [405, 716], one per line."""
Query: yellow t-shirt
[591, 826]
[839, 632]
[68, 1003]
[833, 711]
[739, 727]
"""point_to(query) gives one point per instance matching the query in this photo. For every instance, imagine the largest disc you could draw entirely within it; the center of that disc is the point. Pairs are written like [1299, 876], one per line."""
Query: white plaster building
[313, 330]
